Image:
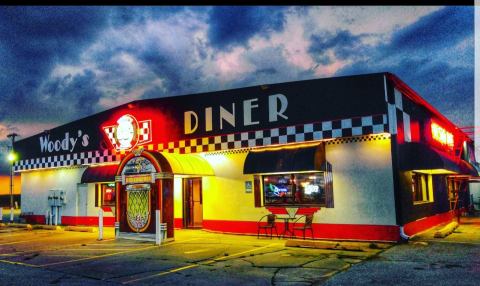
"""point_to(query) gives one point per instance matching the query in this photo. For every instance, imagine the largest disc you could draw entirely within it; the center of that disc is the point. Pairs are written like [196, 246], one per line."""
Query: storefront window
[422, 190]
[108, 194]
[294, 189]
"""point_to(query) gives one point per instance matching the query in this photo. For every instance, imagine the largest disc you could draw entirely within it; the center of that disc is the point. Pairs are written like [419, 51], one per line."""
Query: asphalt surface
[454, 260]
[45, 257]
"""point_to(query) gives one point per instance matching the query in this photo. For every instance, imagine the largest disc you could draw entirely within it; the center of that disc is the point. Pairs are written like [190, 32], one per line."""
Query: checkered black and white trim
[144, 133]
[82, 158]
[398, 117]
[291, 134]
[110, 131]
[349, 127]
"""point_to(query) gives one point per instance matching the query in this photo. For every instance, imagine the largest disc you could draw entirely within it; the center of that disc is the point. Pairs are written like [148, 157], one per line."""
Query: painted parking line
[24, 232]
[119, 244]
[19, 263]
[43, 250]
[96, 256]
[197, 251]
[196, 265]
[96, 249]
[63, 255]
[92, 257]
[21, 241]
[115, 253]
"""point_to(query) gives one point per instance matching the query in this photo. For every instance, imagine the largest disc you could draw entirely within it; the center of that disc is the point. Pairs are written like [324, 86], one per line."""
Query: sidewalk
[468, 231]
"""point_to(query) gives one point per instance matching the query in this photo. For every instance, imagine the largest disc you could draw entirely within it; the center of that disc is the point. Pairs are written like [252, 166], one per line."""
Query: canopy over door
[418, 156]
[99, 174]
[188, 164]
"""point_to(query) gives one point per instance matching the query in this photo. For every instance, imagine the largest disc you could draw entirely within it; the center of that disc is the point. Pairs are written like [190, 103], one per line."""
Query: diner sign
[441, 135]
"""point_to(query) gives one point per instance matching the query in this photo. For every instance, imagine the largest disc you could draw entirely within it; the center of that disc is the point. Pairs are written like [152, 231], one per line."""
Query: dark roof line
[415, 97]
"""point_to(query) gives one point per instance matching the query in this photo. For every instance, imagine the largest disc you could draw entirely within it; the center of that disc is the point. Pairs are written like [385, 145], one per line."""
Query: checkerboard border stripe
[342, 128]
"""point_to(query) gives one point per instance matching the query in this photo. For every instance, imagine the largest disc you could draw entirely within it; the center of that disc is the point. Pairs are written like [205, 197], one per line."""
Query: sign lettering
[277, 106]
[441, 135]
[68, 143]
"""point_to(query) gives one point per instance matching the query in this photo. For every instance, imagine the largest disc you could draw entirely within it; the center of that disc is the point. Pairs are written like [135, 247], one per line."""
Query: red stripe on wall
[427, 222]
[72, 220]
[87, 220]
[300, 211]
[178, 223]
[35, 219]
[320, 231]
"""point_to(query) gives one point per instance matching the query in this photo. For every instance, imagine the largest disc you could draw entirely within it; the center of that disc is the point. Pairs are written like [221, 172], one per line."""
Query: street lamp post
[11, 159]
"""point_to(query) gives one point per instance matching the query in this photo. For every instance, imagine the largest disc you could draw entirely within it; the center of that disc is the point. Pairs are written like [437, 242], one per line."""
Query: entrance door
[192, 203]
[82, 199]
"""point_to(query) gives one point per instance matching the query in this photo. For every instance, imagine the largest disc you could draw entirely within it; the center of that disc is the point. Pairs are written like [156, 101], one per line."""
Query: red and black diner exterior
[365, 154]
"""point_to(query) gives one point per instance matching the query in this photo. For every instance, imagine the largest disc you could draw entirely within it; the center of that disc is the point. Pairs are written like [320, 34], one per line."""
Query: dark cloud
[439, 29]
[33, 40]
[343, 43]
[445, 86]
[123, 15]
[76, 94]
[234, 25]
[424, 56]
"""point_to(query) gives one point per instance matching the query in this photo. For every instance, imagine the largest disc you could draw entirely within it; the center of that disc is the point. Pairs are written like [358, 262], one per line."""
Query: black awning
[418, 156]
[99, 174]
[286, 159]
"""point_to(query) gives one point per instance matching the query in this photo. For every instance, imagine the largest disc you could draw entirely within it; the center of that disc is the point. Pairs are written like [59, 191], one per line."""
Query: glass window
[108, 194]
[422, 190]
[294, 189]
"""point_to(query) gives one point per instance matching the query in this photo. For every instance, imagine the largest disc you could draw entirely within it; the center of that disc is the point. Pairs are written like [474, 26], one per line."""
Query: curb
[19, 225]
[446, 230]
[349, 246]
[45, 226]
[80, 228]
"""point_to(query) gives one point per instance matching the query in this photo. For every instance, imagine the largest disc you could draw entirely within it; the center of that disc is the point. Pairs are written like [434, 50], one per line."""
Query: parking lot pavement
[41, 257]
[424, 260]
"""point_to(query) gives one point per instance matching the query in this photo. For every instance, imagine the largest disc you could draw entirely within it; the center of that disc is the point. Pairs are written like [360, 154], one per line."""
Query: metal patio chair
[308, 224]
[270, 224]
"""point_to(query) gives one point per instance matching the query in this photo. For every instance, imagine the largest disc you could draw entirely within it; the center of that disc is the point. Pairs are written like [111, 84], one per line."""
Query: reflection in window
[294, 189]
[108, 194]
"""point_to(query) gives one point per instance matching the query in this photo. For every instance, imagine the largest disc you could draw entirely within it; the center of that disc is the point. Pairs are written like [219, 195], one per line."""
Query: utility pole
[11, 158]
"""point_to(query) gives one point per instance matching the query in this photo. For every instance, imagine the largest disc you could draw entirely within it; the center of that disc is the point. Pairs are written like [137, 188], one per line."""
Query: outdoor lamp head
[11, 157]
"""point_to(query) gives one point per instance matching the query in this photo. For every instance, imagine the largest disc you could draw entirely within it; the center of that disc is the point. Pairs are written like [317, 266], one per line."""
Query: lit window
[108, 194]
[422, 190]
[294, 189]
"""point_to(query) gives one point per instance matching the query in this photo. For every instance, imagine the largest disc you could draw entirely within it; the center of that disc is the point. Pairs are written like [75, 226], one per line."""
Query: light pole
[11, 159]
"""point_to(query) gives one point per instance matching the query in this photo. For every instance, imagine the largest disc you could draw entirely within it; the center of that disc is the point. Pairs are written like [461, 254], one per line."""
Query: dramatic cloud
[434, 56]
[63, 63]
[236, 25]
[32, 41]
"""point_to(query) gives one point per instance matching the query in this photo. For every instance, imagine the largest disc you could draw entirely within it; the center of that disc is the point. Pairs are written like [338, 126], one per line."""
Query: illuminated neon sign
[128, 132]
[441, 135]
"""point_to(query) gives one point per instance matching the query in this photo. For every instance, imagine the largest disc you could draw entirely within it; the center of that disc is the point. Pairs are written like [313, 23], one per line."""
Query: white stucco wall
[36, 185]
[362, 185]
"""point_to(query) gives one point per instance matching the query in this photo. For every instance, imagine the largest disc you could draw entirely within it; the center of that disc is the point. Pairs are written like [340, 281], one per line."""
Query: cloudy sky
[58, 64]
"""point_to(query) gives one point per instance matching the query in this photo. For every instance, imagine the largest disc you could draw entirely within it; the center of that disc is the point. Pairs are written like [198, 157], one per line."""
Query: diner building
[365, 154]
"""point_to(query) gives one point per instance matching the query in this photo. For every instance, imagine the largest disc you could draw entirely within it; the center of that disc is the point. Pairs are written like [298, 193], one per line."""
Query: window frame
[293, 204]
[422, 187]
[103, 187]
